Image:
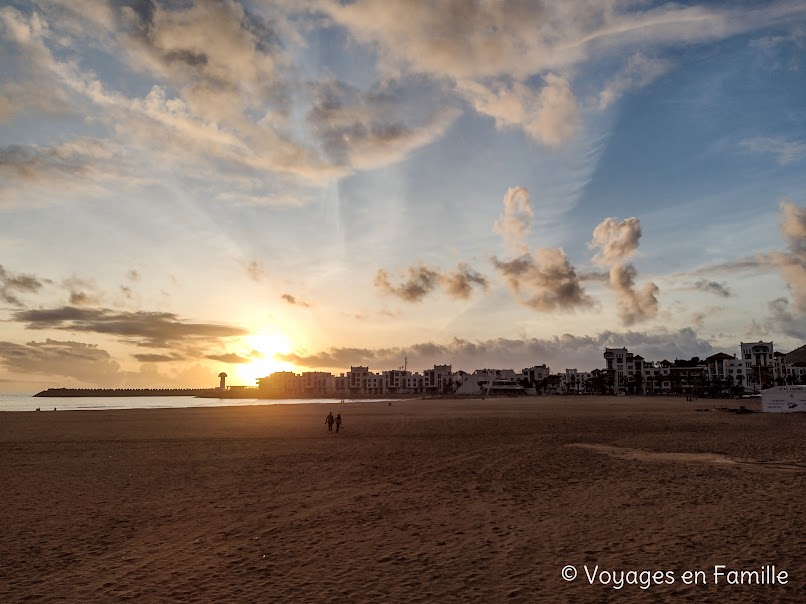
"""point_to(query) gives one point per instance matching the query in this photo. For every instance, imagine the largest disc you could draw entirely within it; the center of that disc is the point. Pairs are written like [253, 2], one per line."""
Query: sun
[262, 348]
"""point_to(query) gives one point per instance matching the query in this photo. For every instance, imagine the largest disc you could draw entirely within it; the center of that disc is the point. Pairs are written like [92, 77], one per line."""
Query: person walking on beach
[329, 421]
[338, 421]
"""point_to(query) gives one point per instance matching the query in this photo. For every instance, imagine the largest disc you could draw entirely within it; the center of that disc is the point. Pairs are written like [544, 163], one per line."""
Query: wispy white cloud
[785, 151]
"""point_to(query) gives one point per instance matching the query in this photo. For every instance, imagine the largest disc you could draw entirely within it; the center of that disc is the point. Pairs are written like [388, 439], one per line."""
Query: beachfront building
[439, 380]
[318, 383]
[624, 370]
[757, 357]
[360, 380]
[402, 381]
[537, 377]
[574, 382]
[281, 383]
[486, 382]
[394, 381]
[796, 373]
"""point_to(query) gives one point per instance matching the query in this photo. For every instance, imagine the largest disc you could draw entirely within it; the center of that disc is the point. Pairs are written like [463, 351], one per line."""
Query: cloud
[366, 129]
[754, 263]
[635, 304]
[545, 281]
[154, 329]
[549, 115]
[85, 166]
[793, 265]
[460, 284]
[616, 240]
[231, 358]
[713, 287]
[785, 151]
[567, 350]
[698, 318]
[294, 301]
[85, 362]
[90, 365]
[12, 284]
[254, 270]
[638, 72]
[493, 53]
[421, 280]
[487, 39]
[158, 358]
[515, 223]
[781, 320]
[81, 291]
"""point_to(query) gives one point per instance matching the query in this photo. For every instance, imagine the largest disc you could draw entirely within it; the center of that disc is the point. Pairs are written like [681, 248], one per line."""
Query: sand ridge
[643, 455]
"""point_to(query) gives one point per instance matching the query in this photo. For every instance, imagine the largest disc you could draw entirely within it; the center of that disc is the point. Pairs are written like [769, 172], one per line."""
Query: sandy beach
[421, 501]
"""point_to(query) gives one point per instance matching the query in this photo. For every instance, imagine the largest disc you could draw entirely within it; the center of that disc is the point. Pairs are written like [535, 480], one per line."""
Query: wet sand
[423, 501]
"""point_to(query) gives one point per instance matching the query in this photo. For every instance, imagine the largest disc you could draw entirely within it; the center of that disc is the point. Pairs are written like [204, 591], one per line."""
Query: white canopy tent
[783, 399]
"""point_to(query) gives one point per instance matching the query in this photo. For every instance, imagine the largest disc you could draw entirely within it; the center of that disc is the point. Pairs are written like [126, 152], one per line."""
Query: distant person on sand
[329, 421]
[338, 421]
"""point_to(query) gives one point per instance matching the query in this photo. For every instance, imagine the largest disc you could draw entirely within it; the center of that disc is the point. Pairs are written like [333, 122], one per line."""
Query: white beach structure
[783, 399]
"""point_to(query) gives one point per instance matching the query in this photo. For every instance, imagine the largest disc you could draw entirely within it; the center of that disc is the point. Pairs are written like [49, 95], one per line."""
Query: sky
[191, 187]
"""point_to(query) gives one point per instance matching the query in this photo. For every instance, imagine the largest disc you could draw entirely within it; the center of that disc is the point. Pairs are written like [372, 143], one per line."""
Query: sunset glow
[379, 180]
[263, 348]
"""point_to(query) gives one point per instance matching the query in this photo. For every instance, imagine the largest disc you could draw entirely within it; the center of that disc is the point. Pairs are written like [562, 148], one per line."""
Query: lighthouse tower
[222, 385]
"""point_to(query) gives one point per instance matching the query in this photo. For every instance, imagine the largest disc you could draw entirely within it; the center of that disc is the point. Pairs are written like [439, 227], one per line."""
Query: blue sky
[189, 188]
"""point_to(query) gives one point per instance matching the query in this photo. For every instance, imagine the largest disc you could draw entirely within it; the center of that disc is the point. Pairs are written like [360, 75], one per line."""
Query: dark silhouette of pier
[84, 392]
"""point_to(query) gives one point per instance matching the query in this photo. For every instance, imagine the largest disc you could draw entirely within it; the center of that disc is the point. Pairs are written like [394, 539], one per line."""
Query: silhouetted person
[338, 421]
[329, 421]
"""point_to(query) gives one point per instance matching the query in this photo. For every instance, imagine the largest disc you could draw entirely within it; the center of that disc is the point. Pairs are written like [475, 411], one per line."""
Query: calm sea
[26, 402]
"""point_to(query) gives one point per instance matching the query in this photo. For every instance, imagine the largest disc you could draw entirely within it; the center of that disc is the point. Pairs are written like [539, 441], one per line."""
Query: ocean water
[26, 402]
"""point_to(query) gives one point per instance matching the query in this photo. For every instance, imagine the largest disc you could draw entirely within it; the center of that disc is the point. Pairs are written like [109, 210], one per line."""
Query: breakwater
[87, 392]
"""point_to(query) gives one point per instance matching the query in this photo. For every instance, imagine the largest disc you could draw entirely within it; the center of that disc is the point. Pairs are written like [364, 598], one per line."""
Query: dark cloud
[545, 281]
[616, 242]
[81, 292]
[93, 366]
[559, 352]
[231, 358]
[156, 329]
[460, 284]
[158, 358]
[12, 284]
[85, 362]
[294, 301]
[634, 304]
[713, 287]
[781, 320]
[421, 279]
